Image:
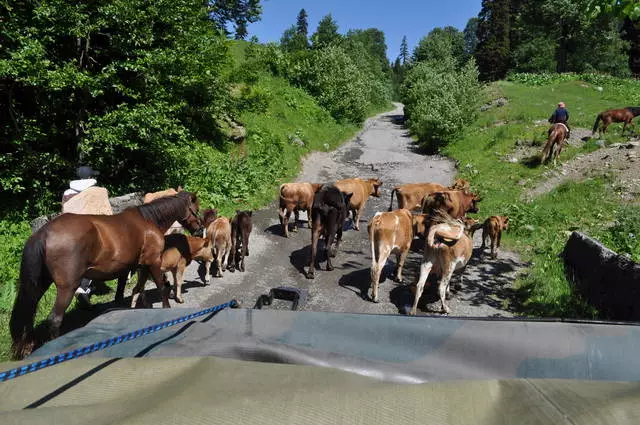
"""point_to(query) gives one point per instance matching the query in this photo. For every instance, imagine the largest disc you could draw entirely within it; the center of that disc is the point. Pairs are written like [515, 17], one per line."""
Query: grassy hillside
[540, 228]
[283, 124]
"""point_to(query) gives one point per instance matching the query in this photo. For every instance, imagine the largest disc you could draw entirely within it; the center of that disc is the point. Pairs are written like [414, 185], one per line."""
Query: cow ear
[505, 219]
[179, 189]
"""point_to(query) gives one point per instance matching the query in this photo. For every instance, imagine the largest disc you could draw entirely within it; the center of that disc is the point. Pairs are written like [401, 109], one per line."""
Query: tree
[622, 8]
[373, 41]
[123, 84]
[440, 43]
[292, 41]
[326, 34]
[236, 12]
[471, 37]
[302, 24]
[632, 35]
[404, 50]
[493, 51]
[241, 29]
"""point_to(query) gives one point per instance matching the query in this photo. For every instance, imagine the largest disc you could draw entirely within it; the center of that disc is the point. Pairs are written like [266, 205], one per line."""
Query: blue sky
[414, 18]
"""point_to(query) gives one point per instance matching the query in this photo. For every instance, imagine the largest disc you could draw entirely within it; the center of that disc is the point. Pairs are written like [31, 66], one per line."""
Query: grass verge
[539, 228]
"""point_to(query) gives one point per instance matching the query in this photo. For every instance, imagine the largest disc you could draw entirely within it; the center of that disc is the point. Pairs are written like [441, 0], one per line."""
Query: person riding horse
[560, 116]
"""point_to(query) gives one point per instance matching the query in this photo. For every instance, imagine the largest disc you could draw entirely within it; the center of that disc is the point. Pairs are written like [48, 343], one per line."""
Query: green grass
[539, 228]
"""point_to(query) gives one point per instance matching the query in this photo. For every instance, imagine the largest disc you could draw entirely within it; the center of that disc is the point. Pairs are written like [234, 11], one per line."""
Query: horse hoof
[242, 269]
[311, 275]
[330, 268]
[180, 300]
[412, 312]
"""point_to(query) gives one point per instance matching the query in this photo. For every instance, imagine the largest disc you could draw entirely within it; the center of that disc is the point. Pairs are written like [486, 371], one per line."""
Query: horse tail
[392, 193]
[595, 125]
[32, 286]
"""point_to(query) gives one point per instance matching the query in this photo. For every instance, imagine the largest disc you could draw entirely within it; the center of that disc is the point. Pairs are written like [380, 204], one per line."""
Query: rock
[232, 129]
[599, 88]
[615, 145]
[94, 200]
[529, 227]
[41, 221]
[600, 143]
[500, 102]
[120, 203]
[513, 160]
[632, 145]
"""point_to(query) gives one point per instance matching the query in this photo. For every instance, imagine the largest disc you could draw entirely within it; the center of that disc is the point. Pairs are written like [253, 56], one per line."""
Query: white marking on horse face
[204, 233]
[377, 214]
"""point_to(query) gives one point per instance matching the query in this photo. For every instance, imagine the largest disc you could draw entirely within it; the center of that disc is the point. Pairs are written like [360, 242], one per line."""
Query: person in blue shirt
[561, 116]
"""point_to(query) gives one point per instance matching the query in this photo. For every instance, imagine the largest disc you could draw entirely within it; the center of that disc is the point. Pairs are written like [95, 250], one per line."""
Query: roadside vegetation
[156, 96]
[540, 228]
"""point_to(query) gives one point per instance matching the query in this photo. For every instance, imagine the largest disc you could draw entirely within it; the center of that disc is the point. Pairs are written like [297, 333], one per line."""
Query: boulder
[121, 203]
[94, 200]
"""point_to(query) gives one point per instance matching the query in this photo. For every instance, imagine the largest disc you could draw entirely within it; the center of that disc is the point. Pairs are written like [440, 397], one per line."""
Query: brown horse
[98, 247]
[624, 115]
[555, 143]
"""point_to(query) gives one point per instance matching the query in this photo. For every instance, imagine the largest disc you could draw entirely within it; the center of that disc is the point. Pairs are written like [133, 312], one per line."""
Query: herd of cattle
[441, 222]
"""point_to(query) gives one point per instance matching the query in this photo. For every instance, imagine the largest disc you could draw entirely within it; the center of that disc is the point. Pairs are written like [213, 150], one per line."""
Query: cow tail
[392, 193]
[595, 125]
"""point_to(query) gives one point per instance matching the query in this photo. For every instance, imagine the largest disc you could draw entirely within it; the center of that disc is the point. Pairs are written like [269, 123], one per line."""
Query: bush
[440, 101]
[330, 76]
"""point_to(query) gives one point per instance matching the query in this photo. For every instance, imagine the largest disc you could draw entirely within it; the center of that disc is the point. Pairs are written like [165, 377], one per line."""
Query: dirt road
[383, 149]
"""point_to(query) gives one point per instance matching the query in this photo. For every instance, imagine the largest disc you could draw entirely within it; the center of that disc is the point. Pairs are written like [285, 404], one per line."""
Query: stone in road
[382, 149]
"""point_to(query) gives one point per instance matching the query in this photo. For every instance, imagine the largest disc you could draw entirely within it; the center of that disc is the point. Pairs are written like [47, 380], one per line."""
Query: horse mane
[164, 211]
[635, 110]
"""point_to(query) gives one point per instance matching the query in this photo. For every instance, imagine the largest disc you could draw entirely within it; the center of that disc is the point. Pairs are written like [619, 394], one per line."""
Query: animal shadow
[300, 258]
[357, 281]
[402, 296]
[533, 161]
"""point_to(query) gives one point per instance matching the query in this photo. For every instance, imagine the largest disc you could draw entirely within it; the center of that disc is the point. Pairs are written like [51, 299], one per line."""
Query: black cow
[328, 214]
[241, 226]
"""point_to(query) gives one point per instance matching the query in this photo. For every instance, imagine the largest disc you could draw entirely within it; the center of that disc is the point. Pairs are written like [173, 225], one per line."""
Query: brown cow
[447, 249]
[219, 235]
[492, 228]
[361, 190]
[456, 203]
[410, 195]
[295, 197]
[179, 251]
[389, 233]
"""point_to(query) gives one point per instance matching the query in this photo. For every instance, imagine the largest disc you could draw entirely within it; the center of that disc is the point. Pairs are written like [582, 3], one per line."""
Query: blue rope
[83, 351]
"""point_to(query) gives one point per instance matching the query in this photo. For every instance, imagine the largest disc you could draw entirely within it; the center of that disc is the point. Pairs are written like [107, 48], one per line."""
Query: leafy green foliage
[440, 100]
[441, 43]
[493, 47]
[333, 78]
[326, 34]
[115, 84]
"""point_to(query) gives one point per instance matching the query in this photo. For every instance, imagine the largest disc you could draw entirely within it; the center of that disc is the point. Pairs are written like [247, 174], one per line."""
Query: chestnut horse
[555, 143]
[624, 115]
[98, 247]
